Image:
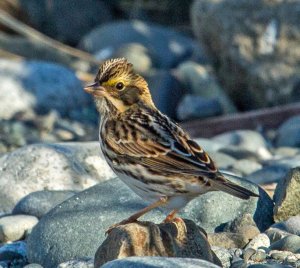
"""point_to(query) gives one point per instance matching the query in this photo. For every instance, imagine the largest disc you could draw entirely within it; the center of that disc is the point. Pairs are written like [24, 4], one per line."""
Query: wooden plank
[267, 118]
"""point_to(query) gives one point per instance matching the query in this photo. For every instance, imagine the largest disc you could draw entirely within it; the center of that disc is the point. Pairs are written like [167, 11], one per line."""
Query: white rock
[15, 227]
[63, 166]
[259, 241]
[86, 263]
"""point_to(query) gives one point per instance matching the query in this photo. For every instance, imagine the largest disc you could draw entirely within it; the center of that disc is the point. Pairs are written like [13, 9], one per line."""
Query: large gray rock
[162, 85]
[258, 57]
[288, 134]
[166, 47]
[213, 209]
[40, 202]
[268, 174]
[291, 225]
[77, 227]
[67, 20]
[39, 86]
[159, 262]
[200, 80]
[245, 139]
[64, 166]
[193, 106]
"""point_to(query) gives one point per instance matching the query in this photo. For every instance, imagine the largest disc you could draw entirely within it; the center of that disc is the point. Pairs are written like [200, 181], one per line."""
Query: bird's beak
[95, 89]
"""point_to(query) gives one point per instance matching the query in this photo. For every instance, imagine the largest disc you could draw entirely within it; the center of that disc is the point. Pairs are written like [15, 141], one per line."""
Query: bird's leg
[171, 217]
[134, 217]
[179, 222]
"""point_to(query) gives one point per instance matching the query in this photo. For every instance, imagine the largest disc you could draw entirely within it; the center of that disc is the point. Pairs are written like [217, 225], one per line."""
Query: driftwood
[267, 118]
[27, 31]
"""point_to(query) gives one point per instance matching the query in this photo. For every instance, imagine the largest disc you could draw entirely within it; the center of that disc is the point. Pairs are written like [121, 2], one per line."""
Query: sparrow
[149, 152]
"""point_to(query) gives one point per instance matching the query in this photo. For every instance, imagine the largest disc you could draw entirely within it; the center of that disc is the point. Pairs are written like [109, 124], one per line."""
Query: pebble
[288, 243]
[13, 249]
[246, 166]
[15, 227]
[275, 234]
[292, 259]
[248, 252]
[80, 263]
[245, 139]
[227, 240]
[223, 255]
[279, 255]
[259, 256]
[259, 241]
[291, 225]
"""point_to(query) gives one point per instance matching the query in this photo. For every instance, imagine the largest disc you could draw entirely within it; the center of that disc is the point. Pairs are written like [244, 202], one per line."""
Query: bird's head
[117, 87]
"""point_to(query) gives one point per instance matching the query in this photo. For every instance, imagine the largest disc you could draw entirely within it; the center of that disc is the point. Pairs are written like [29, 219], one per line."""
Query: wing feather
[165, 147]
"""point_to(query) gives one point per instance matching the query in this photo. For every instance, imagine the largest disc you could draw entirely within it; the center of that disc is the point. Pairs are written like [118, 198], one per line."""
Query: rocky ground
[57, 194]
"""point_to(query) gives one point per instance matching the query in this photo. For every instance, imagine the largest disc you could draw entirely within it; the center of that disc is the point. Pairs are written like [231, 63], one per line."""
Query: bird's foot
[172, 219]
[129, 220]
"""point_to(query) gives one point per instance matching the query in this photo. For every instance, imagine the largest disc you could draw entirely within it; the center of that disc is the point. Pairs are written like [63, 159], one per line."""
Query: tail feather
[222, 184]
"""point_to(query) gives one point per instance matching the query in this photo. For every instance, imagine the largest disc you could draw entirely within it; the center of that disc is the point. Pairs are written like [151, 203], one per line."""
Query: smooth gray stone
[291, 225]
[40, 202]
[288, 134]
[289, 243]
[168, 47]
[39, 86]
[268, 174]
[193, 106]
[158, 262]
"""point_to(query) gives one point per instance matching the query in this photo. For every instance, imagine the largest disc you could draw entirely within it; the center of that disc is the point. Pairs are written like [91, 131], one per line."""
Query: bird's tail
[222, 184]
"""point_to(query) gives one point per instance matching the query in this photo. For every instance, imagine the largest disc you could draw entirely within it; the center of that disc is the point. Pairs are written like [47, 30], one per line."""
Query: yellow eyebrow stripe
[112, 82]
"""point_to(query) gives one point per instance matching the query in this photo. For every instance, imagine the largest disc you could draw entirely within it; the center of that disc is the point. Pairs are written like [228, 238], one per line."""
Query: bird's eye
[119, 86]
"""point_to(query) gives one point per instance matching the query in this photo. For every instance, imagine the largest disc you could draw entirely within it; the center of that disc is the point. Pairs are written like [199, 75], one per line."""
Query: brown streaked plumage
[148, 151]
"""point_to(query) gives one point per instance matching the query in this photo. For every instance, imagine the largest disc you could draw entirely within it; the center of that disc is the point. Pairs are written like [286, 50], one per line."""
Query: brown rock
[287, 196]
[227, 240]
[181, 239]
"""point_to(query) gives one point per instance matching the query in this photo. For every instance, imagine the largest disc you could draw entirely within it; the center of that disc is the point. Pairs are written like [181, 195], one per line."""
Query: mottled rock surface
[181, 239]
[287, 196]
[259, 54]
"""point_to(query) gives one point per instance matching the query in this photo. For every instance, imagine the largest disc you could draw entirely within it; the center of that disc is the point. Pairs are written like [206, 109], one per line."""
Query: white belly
[175, 201]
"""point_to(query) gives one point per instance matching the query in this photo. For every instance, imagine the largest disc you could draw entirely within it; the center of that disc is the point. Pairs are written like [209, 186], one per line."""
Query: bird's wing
[158, 143]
